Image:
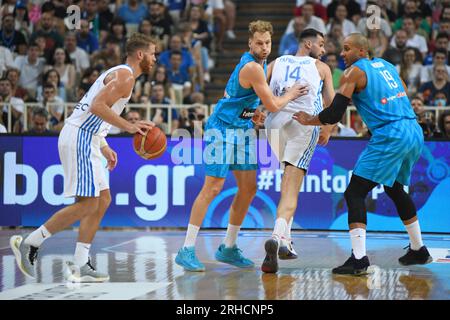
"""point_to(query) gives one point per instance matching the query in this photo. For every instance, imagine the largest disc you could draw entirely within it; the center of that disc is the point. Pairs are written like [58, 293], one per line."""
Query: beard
[145, 65]
[314, 55]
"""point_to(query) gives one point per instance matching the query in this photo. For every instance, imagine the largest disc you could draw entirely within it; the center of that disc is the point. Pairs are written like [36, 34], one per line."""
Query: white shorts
[84, 172]
[290, 141]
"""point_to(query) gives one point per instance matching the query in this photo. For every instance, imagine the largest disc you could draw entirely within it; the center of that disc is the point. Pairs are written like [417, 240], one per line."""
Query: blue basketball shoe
[188, 260]
[233, 256]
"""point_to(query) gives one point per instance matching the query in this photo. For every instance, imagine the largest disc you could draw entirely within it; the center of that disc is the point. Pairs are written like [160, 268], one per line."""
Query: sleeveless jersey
[384, 99]
[238, 105]
[288, 70]
[83, 118]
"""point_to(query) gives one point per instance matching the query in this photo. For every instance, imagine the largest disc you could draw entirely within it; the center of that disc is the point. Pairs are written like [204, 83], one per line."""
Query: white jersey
[288, 70]
[83, 118]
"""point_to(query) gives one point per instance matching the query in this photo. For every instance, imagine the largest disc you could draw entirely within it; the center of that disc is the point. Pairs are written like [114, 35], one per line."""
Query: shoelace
[32, 255]
[407, 247]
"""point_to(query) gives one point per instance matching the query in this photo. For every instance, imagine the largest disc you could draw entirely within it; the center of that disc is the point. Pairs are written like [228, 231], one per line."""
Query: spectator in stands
[21, 19]
[133, 12]
[429, 90]
[67, 73]
[39, 122]
[353, 8]
[378, 42]
[336, 32]
[199, 26]
[52, 76]
[187, 61]
[86, 39]
[414, 40]
[385, 26]
[333, 46]
[13, 76]
[289, 41]
[118, 33]
[133, 116]
[17, 105]
[160, 115]
[90, 75]
[439, 57]
[161, 23]
[30, 67]
[53, 39]
[411, 10]
[332, 61]
[341, 19]
[417, 104]
[409, 69]
[10, 38]
[82, 89]
[43, 51]
[441, 42]
[90, 13]
[176, 9]
[110, 56]
[444, 124]
[79, 56]
[53, 103]
[6, 59]
[146, 28]
[311, 21]
[394, 53]
[180, 79]
[319, 10]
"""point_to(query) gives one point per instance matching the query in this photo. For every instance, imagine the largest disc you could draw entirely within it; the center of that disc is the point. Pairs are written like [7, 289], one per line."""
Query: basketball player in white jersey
[294, 144]
[81, 145]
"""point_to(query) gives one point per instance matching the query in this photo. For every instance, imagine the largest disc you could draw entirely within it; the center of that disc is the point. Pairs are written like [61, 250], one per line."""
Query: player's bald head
[357, 40]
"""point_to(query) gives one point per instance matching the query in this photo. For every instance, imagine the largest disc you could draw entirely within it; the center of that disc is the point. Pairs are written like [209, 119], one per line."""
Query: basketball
[150, 146]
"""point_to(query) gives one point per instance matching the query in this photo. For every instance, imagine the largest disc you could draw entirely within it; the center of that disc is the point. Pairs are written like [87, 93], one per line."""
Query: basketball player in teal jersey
[234, 114]
[380, 97]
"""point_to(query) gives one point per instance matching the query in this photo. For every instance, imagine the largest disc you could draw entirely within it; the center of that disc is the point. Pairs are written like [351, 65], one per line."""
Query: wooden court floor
[141, 266]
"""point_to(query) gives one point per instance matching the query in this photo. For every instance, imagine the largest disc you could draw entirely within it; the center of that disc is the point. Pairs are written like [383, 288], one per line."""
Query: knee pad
[355, 196]
[403, 202]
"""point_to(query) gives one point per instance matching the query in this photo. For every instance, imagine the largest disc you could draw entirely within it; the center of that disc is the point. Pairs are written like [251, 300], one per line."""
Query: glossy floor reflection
[141, 266]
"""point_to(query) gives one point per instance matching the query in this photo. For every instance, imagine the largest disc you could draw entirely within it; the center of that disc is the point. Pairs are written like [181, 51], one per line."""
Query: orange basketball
[150, 146]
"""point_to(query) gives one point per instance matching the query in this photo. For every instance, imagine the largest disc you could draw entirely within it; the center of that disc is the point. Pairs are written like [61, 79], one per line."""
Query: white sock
[288, 229]
[358, 238]
[231, 236]
[38, 236]
[81, 256]
[415, 237]
[279, 229]
[191, 235]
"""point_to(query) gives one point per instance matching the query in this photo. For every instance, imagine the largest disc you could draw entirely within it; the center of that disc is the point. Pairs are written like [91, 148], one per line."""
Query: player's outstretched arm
[118, 84]
[252, 75]
[352, 78]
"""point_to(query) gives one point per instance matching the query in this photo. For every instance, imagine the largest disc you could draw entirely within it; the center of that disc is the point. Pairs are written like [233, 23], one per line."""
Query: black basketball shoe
[353, 266]
[421, 256]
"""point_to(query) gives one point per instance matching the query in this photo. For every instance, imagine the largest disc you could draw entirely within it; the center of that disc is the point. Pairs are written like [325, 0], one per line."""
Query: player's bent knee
[105, 199]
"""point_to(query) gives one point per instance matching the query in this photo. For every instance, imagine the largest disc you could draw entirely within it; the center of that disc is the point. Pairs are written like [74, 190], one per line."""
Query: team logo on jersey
[247, 113]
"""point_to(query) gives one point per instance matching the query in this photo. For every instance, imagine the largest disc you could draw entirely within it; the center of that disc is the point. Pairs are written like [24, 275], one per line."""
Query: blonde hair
[259, 26]
[138, 41]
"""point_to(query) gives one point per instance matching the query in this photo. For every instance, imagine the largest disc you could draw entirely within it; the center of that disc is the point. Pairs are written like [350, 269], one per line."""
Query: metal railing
[148, 107]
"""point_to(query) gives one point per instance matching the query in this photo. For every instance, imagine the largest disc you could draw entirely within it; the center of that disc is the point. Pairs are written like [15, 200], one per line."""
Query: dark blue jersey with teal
[236, 108]
[384, 99]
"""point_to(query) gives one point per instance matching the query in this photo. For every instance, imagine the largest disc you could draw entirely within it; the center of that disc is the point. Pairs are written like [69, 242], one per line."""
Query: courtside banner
[160, 192]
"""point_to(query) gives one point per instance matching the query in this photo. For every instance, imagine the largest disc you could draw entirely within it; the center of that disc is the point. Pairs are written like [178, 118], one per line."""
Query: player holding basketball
[246, 86]
[381, 99]
[293, 143]
[81, 144]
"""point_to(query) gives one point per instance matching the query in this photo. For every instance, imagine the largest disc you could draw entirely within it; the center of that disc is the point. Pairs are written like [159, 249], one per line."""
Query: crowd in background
[45, 61]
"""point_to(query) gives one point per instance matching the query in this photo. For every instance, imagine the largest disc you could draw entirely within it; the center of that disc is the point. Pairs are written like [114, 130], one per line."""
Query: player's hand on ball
[111, 157]
[259, 118]
[141, 127]
[302, 117]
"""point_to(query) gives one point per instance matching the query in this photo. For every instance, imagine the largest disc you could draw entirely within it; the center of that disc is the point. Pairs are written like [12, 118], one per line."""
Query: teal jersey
[238, 105]
[384, 99]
